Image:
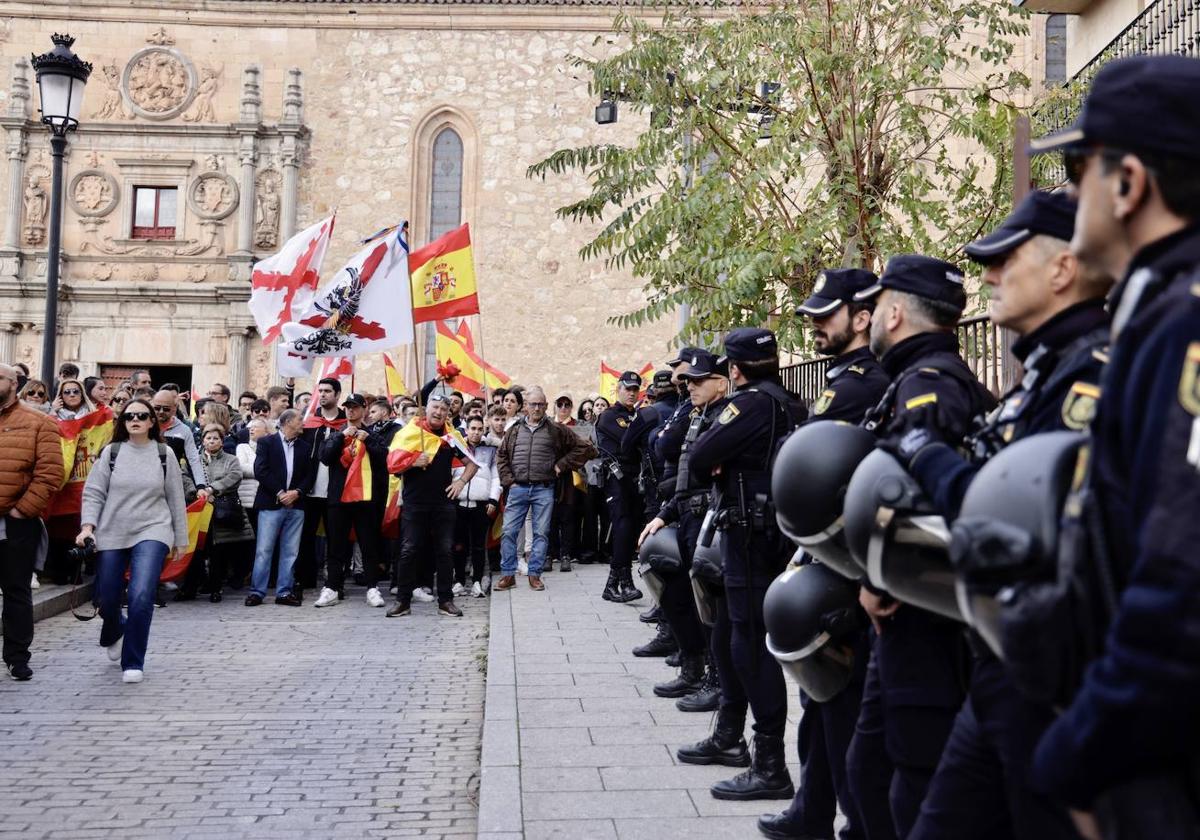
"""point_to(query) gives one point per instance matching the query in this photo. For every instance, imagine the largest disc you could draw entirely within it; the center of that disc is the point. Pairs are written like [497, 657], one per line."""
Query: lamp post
[61, 78]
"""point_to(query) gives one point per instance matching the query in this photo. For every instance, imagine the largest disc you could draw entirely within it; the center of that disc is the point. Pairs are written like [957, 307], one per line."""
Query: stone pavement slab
[261, 723]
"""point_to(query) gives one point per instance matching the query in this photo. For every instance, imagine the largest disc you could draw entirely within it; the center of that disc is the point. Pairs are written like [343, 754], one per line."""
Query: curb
[500, 816]
[50, 599]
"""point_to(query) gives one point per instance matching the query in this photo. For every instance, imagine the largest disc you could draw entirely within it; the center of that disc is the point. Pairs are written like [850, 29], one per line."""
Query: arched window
[446, 181]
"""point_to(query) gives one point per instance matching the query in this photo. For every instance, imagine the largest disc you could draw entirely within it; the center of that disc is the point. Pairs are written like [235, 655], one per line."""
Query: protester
[247, 490]
[119, 398]
[220, 393]
[303, 401]
[230, 533]
[279, 400]
[31, 470]
[36, 395]
[164, 405]
[245, 401]
[70, 403]
[513, 403]
[323, 423]
[133, 510]
[96, 390]
[283, 467]
[477, 505]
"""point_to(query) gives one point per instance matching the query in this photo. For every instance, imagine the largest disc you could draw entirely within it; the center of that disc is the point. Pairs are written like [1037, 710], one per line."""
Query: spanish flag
[443, 278]
[391, 510]
[458, 349]
[608, 383]
[416, 438]
[496, 530]
[199, 518]
[393, 380]
[81, 440]
[358, 472]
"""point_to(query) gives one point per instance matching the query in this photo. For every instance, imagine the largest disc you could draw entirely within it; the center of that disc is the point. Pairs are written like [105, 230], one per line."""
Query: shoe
[673, 660]
[113, 651]
[214, 597]
[34, 583]
[611, 590]
[183, 595]
[548, 566]
[132, 675]
[535, 583]
[253, 600]
[564, 565]
[767, 777]
[486, 584]
[449, 608]
[505, 582]
[422, 594]
[725, 746]
[522, 567]
[707, 697]
[327, 598]
[661, 645]
[458, 590]
[691, 675]
[395, 590]
[629, 592]
[477, 590]
[781, 827]
[374, 597]
[20, 673]
[401, 608]
[651, 616]
[288, 600]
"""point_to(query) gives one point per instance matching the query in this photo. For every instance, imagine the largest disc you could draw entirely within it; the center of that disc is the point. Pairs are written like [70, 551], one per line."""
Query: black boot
[662, 644]
[651, 616]
[724, 746]
[767, 777]
[629, 592]
[611, 591]
[705, 698]
[690, 675]
[782, 827]
[673, 660]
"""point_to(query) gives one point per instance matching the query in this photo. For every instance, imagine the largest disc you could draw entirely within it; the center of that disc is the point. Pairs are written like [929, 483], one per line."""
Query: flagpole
[412, 314]
[486, 396]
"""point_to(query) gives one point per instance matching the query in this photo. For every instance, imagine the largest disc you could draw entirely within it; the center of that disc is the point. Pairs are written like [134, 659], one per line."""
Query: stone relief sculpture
[37, 202]
[159, 82]
[93, 193]
[266, 210]
[112, 106]
[202, 106]
[213, 195]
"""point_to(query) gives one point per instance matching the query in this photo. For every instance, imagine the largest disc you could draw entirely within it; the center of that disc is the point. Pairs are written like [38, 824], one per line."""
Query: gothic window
[154, 212]
[445, 192]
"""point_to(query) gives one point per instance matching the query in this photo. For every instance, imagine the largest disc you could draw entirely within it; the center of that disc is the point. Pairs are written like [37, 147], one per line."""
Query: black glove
[911, 435]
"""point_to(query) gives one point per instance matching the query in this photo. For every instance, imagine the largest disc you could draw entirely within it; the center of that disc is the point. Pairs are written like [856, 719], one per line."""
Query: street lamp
[61, 78]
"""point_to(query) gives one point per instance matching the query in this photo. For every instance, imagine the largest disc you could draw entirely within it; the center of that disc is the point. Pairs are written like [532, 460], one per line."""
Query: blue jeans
[521, 499]
[282, 526]
[145, 562]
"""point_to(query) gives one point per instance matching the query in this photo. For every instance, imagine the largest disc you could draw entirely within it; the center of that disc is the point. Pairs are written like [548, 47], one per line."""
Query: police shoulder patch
[859, 369]
[1189, 380]
[731, 411]
[823, 401]
[622, 422]
[920, 400]
[1079, 407]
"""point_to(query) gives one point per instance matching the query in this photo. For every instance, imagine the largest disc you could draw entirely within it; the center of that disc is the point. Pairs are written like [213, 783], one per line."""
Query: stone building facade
[214, 129]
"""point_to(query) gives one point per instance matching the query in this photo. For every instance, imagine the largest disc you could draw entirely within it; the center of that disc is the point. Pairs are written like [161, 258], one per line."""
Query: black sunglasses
[262, 411]
[163, 409]
[140, 416]
[71, 392]
[36, 394]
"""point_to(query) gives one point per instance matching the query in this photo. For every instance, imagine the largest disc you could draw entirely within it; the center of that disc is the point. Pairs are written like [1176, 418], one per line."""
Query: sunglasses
[262, 411]
[139, 416]
[71, 392]
[163, 409]
[36, 394]
[1075, 163]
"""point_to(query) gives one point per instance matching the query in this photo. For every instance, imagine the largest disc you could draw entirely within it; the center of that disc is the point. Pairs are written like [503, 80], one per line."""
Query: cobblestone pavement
[576, 745]
[261, 723]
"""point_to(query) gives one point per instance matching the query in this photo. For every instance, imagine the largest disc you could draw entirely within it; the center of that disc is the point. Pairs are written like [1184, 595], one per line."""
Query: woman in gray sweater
[134, 511]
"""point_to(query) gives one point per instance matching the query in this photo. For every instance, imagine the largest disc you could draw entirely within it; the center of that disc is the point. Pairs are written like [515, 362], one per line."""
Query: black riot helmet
[1007, 531]
[812, 617]
[808, 485]
[708, 577]
[902, 542]
[659, 556]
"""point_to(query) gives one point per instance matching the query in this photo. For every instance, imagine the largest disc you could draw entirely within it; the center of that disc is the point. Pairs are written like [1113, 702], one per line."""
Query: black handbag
[227, 509]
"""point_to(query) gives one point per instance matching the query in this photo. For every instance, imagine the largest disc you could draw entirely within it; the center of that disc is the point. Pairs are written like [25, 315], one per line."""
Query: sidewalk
[575, 744]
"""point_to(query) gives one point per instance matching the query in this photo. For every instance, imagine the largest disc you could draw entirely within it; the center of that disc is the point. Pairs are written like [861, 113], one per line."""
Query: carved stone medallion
[213, 195]
[159, 82]
[93, 193]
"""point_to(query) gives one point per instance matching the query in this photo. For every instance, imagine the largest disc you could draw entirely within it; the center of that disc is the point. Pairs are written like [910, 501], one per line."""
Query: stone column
[17, 148]
[237, 363]
[8, 343]
[248, 126]
[291, 126]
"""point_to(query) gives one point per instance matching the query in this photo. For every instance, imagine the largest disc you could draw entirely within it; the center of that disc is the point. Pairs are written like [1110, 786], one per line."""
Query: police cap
[662, 379]
[922, 276]
[630, 379]
[1144, 103]
[834, 287]
[750, 344]
[1045, 213]
[683, 355]
[702, 364]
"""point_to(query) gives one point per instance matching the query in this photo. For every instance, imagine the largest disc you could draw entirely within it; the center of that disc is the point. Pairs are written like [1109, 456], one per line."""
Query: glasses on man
[261, 411]
[536, 404]
[163, 409]
[136, 416]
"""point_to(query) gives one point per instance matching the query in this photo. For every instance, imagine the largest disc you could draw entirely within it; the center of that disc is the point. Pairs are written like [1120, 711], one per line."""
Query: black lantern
[61, 78]
[606, 111]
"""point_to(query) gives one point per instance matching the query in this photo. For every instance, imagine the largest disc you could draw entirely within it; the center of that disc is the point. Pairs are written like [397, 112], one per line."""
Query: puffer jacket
[484, 486]
[31, 465]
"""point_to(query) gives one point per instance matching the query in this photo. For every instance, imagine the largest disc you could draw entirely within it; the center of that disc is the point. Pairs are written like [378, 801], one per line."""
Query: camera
[81, 554]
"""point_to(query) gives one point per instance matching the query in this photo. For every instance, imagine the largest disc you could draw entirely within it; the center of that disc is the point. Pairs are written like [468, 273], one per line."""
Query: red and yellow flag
[358, 472]
[416, 438]
[458, 349]
[81, 440]
[609, 378]
[393, 379]
[443, 278]
[199, 518]
[496, 530]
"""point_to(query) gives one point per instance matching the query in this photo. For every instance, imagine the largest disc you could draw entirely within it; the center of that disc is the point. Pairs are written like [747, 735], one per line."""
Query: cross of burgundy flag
[282, 286]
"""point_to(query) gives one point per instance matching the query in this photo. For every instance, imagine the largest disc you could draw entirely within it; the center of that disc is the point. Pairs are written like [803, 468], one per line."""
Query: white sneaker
[327, 598]
[114, 651]
[422, 595]
[35, 583]
[374, 598]
[394, 590]
[522, 567]
[133, 675]
[170, 586]
[458, 590]
[477, 590]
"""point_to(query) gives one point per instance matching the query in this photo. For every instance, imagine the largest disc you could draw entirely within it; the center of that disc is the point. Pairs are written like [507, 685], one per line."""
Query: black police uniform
[854, 384]
[1132, 728]
[621, 494]
[742, 442]
[981, 785]
[637, 444]
[919, 664]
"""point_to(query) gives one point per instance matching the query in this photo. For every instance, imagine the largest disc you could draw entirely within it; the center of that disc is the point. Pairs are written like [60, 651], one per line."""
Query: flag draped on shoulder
[443, 278]
[458, 350]
[282, 286]
[416, 438]
[365, 308]
[81, 440]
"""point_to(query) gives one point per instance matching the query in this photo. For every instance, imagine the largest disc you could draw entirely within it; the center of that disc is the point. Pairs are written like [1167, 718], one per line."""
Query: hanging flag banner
[81, 440]
[443, 278]
[456, 355]
[365, 308]
[282, 286]
[392, 379]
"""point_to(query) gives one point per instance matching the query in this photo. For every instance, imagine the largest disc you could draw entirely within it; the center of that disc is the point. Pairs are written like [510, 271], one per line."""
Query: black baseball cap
[662, 379]
[922, 276]
[682, 356]
[1144, 103]
[834, 287]
[630, 379]
[750, 344]
[1047, 213]
[355, 399]
[703, 364]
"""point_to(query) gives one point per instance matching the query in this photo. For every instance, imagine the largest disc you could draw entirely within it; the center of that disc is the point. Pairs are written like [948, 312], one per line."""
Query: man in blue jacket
[282, 465]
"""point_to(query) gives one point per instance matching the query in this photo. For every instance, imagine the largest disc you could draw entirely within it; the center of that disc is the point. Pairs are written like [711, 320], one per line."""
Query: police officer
[1124, 745]
[854, 383]
[620, 488]
[1039, 292]
[917, 670]
[736, 453]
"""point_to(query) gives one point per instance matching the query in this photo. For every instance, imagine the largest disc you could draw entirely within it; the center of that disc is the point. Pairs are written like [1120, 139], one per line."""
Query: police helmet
[708, 578]
[808, 485]
[812, 616]
[896, 535]
[659, 556]
[1007, 531]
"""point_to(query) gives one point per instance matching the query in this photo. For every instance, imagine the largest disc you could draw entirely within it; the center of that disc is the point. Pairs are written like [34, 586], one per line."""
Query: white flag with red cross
[282, 286]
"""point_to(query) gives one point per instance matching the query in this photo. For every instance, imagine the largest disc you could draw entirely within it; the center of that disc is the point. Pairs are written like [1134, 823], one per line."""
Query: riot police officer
[1126, 746]
[918, 665]
[854, 383]
[1038, 291]
[736, 453]
[620, 488]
